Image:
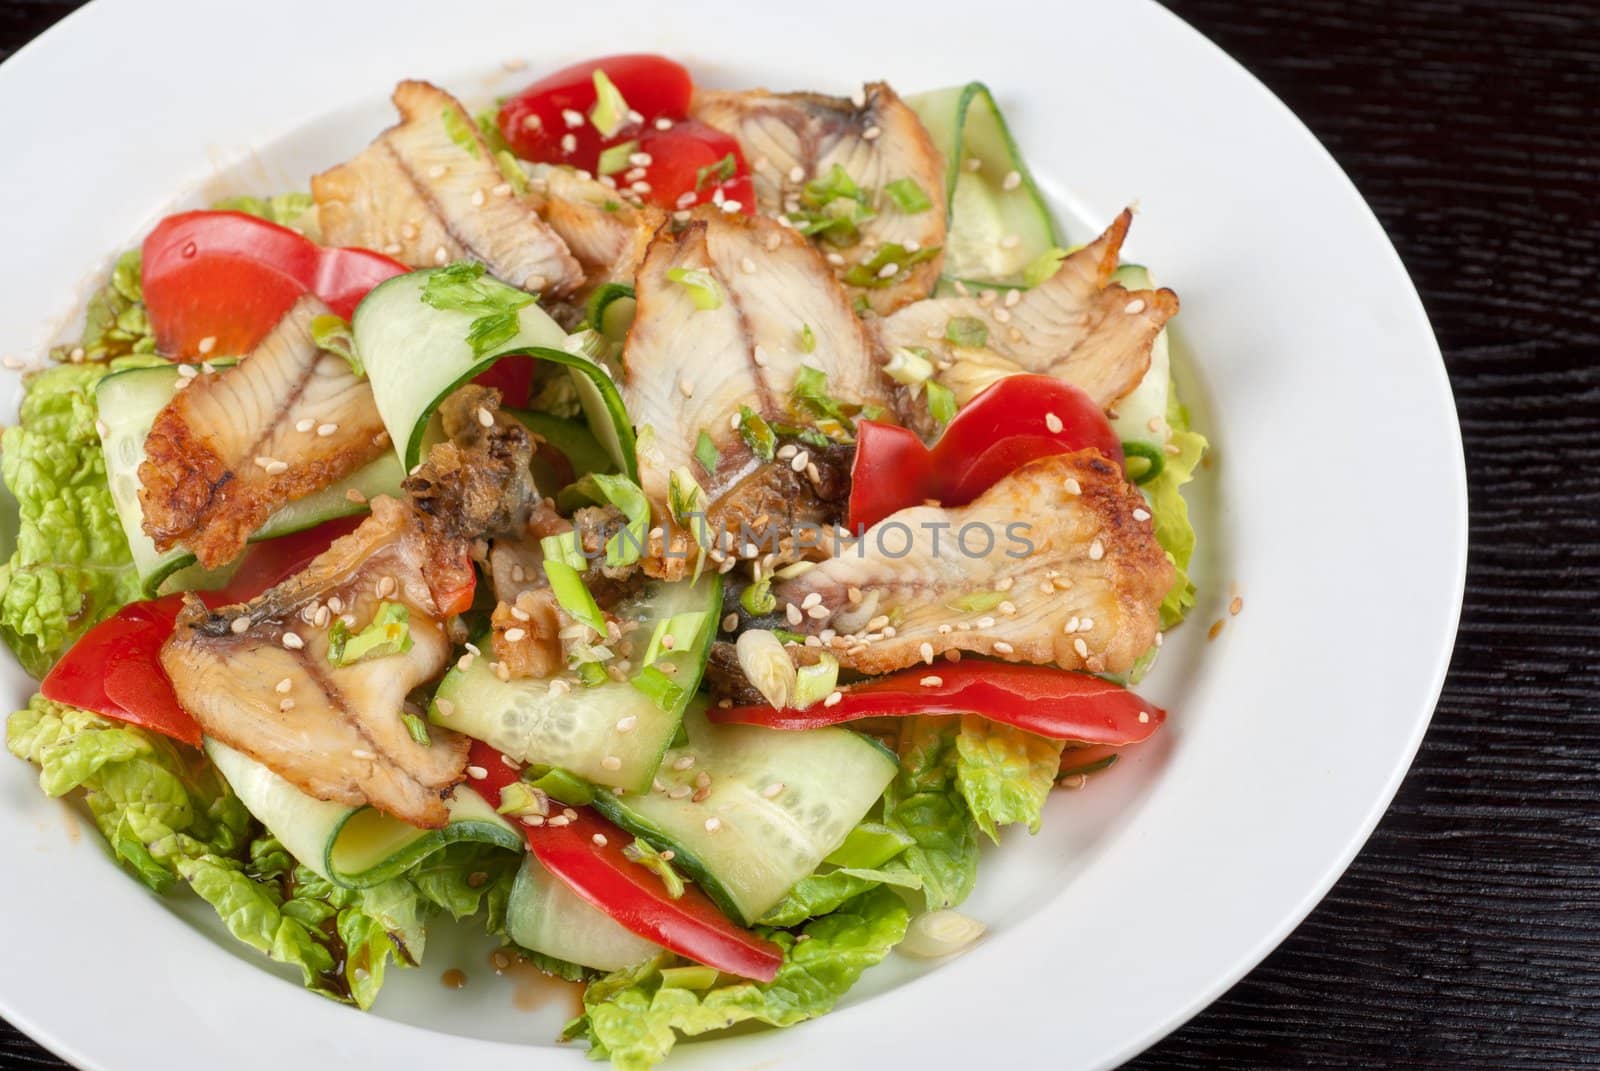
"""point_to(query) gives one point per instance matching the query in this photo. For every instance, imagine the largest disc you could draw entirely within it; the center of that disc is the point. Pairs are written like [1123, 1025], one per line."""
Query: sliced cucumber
[352, 846]
[966, 125]
[775, 806]
[544, 915]
[128, 403]
[610, 310]
[612, 733]
[416, 355]
[1142, 413]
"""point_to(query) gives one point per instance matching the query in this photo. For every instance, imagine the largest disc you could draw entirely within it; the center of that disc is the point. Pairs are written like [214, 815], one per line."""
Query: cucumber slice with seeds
[1142, 413]
[544, 915]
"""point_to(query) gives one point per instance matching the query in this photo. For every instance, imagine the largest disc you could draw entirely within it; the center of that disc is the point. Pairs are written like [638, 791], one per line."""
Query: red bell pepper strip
[549, 121]
[1006, 426]
[115, 668]
[695, 164]
[1041, 699]
[229, 277]
[587, 855]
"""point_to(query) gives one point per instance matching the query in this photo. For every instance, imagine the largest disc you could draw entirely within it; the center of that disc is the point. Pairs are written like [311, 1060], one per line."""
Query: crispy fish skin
[428, 192]
[258, 677]
[798, 137]
[1074, 577]
[1077, 325]
[237, 444]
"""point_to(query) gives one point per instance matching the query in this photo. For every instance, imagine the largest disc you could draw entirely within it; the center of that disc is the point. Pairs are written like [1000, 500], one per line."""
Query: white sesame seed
[1134, 307]
[814, 599]
[444, 707]
[284, 686]
[572, 117]
[1007, 608]
[1081, 647]
[663, 124]
[599, 840]
[773, 790]
[293, 641]
[872, 133]
[926, 651]
[759, 355]
[501, 189]
[835, 259]
[639, 186]
[285, 706]
[686, 388]
[305, 425]
[485, 417]
[818, 613]
[441, 256]
[1086, 625]
[1141, 514]
[1001, 316]
[1002, 647]
[792, 614]
[774, 240]
[437, 171]
[188, 371]
[1053, 422]
[365, 755]
[515, 634]
[325, 430]
[683, 762]
[1097, 550]
[559, 821]
[641, 159]
[569, 144]
[731, 207]
[478, 198]
[747, 265]
[833, 699]
[713, 824]
[985, 622]
[240, 625]
[799, 461]
[1144, 717]
[1012, 297]
[932, 682]
[1072, 487]
[679, 792]
[611, 762]
[477, 773]
[858, 97]
[1012, 180]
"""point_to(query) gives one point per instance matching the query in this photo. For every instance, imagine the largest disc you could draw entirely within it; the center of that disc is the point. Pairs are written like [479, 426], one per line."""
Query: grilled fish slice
[1077, 326]
[793, 138]
[428, 192]
[237, 444]
[689, 370]
[607, 234]
[1057, 563]
[258, 677]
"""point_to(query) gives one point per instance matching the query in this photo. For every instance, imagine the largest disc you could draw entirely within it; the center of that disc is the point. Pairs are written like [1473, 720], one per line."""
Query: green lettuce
[1173, 529]
[292, 210]
[71, 566]
[820, 894]
[924, 802]
[114, 323]
[466, 880]
[1005, 774]
[630, 1018]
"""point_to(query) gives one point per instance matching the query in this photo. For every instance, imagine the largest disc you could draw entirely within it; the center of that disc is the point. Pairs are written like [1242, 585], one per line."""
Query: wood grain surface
[1467, 933]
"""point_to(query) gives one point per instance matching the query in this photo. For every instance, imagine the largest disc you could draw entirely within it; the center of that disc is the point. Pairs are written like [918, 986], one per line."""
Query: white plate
[1335, 504]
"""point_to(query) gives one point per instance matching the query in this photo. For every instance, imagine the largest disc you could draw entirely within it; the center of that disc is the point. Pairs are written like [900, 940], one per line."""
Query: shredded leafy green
[706, 452]
[464, 287]
[757, 434]
[1173, 529]
[460, 129]
[115, 323]
[887, 265]
[924, 802]
[704, 290]
[285, 209]
[1004, 773]
[332, 333]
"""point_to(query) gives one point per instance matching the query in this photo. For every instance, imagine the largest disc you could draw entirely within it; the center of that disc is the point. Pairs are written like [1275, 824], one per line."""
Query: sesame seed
[304, 425]
[786, 451]
[835, 259]
[686, 388]
[285, 706]
[1012, 297]
[464, 663]
[569, 144]
[611, 762]
[797, 173]
[1097, 550]
[1141, 514]
[713, 824]
[799, 461]
[679, 793]
[683, 762]
[792, 614]
[478, 198]
[444, 707]
[926, 651]
[833, 699]
[1002, 647]
[1053, 422]
[437, 171]
[293, 641]
[1001, 316]
[932, 682]
[599, 839]
[773, 790]
[1007, 608]
[1072, 486]
[663, 124]
[640, 159]
[700, 795]
[813, 473]
[520, 614]
[325, 430]
[985, 622]
[731, 207]
[872, 133]
[321, 617]
[1236, 605]
[639, 186]
[501, 189]
[774, 240]
[1081, 647]
[814, 599]
[477, 773]
[533, 820]
[1144, 717]
[558, 821]
[1086, 625]
[354, 495]
[818, 613]
[336, 604]
[1134, 307]
[364, 754]
[441, 256]
[759, 355]
[889, 270]
[386, 586]
[485, 417]
[240, 625]
[207, 344]
[572, 117]
[1010, 241]
[747, 265]
[625, 725]
[987, 298]
[858, 97]
[515, 634]
[1012, 180]
[187, 371]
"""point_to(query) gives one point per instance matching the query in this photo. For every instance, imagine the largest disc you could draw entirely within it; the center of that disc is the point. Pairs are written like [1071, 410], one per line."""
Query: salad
[667, 527]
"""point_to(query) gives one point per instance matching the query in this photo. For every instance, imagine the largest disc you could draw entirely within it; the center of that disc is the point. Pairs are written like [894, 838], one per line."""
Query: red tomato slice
[693, 160]
[587, 855]
[535, 122]
[229, 277]
[1016, 420]
[1041, 699]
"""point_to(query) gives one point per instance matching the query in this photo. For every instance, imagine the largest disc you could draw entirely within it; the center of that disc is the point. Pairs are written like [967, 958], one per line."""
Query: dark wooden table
[1467, 934]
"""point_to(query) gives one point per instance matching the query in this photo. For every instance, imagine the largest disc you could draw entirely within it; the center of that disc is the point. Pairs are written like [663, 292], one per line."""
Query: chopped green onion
[813, 683]
[610, 111]
[417, 728]
[626, 546]
[388, 634]
[977, 602]
[835, 185]
[460, 129]
[685, 496]
[488, 121]
[721, 171]
[758, 599]
[907, 196]
[698, 977]
[615, 158]
[834, 208]
[511, 171]
[1143, 462]
[766, 666]
[564, 548]
[704, 290]
[785, 636]
[886, 265]
[684, 629]
[332, 333]
[559, 784]
[1043, 266]
[592, 674]
[810, 396]
[706, 452]
[574, 598]
[645, 854]
[757, 434]
[966, 331]
[520, 798]
[941, 402]
[909, 368]
[659, 688]
[808, 339]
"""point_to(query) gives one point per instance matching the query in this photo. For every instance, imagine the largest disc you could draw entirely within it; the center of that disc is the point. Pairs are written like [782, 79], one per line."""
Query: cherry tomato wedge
[549, 121]
[115, 668]
[228, 277]
[587, 855]
[1041, 699]
[694, 164]
[1016, 420]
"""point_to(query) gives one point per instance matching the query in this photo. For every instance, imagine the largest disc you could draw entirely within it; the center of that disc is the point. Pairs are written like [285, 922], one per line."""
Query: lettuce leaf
[925, 803]
[819, 894]
[114, 322]
[630, 1019]
[1173, 529]
[1005, 774]
[464, 880]
[71, 566]
[293, 210]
